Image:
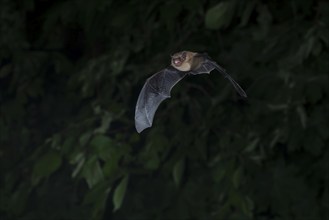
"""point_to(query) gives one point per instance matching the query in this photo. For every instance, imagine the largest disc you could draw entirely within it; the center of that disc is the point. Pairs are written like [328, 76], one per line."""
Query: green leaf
[18, 199]
[102, 146]
[247, 12]
[68, 145]
[305, 49]
[97, 198]
[153, 162]
[246, 206]
[101, 141]
[106, 121]
[111, 165]
[220, 16]
[252, 146]
[80, 160]
[178, 171]
[302, 115]
[56, 140]
[77, 157]
[92, 172]
[47, 164]
[85, 138]
[119, 193]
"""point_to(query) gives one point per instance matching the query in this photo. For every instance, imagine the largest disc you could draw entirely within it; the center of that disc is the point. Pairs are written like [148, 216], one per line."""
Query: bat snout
[177, 61]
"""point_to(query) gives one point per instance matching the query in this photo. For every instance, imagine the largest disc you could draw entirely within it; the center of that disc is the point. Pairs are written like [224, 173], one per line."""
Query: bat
[157, 87]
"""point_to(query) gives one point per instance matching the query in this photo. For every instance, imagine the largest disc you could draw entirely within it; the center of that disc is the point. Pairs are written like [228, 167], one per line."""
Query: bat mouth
[177, 61]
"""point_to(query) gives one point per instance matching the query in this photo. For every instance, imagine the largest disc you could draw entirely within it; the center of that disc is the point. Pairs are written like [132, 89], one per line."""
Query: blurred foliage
[70, 74]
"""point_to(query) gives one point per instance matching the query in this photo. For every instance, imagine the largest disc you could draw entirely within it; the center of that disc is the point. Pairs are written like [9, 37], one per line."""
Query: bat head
[178, 58]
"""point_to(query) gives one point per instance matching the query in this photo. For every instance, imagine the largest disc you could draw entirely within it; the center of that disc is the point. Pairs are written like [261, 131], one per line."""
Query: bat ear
[184, 55]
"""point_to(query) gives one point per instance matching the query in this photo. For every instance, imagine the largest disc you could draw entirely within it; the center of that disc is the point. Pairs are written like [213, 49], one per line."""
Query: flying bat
[157, 87]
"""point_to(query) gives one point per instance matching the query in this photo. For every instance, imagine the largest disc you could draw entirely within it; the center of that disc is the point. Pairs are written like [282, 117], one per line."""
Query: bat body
[157, 88]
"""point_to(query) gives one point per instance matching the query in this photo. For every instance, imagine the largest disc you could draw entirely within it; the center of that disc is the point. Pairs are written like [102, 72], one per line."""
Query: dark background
[70, 74]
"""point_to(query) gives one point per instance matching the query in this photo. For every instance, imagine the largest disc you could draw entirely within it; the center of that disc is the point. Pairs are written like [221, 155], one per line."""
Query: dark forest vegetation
[70, 74]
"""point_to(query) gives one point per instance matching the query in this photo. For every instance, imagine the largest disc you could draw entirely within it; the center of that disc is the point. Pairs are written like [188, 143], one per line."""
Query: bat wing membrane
[208, 65]
[156, 89]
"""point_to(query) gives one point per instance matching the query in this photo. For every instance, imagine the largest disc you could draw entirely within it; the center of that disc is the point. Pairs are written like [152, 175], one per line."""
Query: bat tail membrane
[235, 84]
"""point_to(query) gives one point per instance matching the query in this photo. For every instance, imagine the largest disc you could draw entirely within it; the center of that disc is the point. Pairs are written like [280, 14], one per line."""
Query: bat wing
[156, 89]
[207, 65]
